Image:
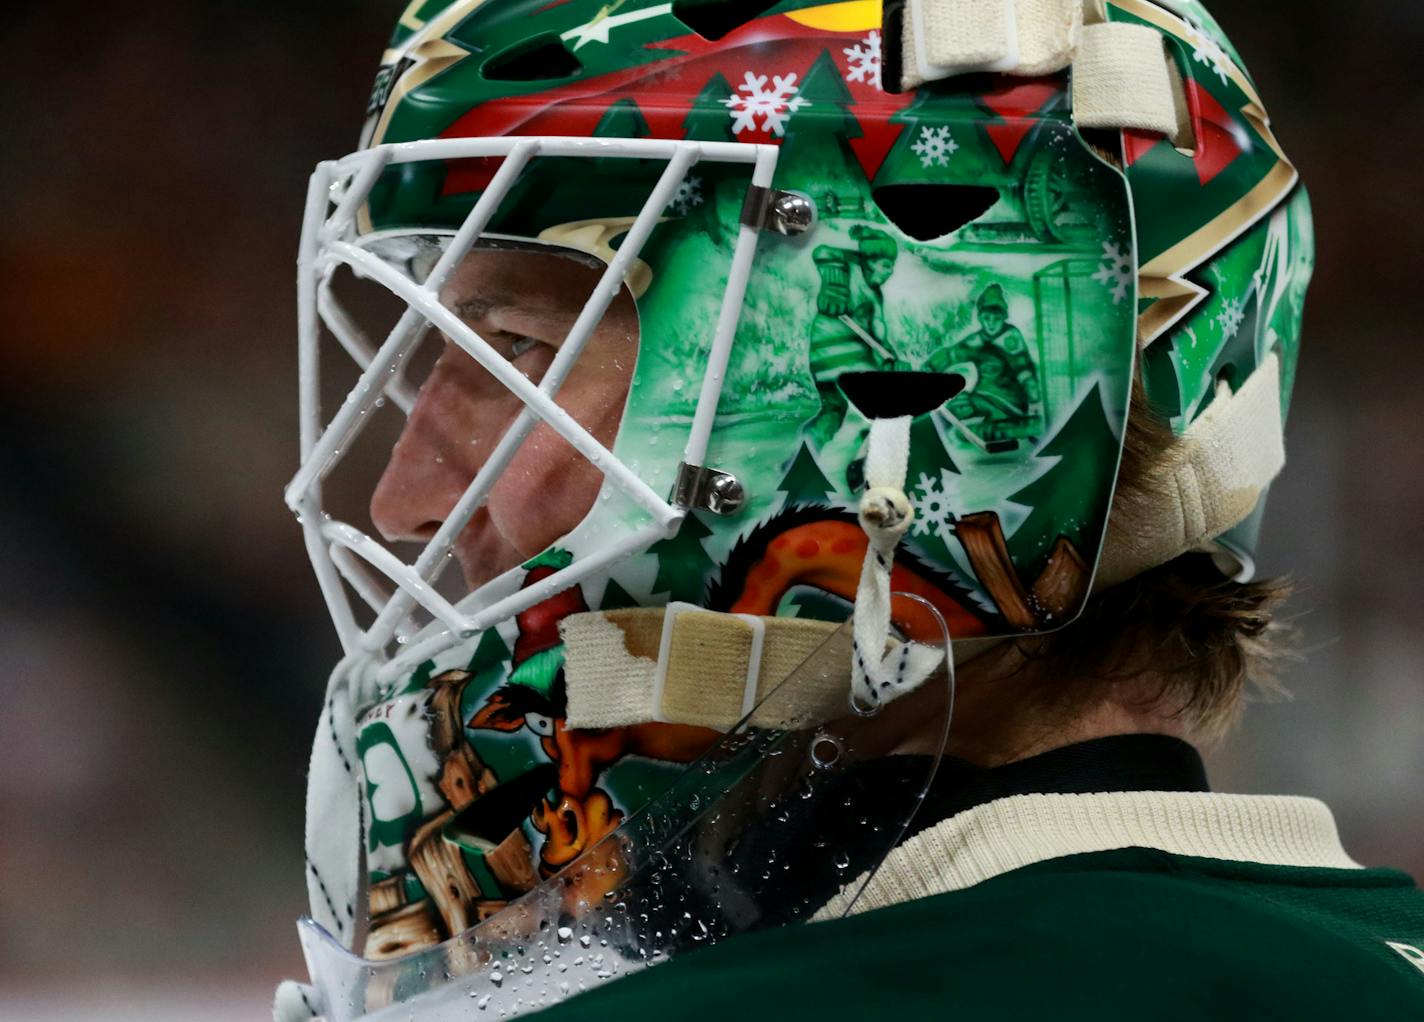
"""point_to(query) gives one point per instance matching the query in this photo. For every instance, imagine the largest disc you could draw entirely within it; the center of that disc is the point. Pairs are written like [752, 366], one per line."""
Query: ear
[497, 715]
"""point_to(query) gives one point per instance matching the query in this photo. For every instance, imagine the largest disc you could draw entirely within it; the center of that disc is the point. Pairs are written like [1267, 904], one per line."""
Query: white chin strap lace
[879, 672]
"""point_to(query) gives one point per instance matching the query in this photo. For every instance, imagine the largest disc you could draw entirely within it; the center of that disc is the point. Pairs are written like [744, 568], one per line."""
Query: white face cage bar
[330, 239]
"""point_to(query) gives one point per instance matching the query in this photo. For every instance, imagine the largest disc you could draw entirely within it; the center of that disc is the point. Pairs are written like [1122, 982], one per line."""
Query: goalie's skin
[524, 304]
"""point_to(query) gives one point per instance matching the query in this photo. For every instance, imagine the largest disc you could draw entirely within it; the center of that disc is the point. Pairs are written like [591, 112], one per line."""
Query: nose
[425, 477]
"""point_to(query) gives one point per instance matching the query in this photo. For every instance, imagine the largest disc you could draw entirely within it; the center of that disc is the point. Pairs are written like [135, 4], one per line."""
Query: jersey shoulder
[1104, 936]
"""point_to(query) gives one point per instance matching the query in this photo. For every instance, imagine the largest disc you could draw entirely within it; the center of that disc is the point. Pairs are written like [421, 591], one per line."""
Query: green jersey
[1131, 933]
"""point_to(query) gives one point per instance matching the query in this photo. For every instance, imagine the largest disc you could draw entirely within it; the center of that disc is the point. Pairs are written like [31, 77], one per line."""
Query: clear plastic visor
[783, 821]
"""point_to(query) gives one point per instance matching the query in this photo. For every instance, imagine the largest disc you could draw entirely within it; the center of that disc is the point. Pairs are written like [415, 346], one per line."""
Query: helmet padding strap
[942, 38]
[1124, 78]
[1123, 74]
[1210, 479]
[686, 665]
[611, 663]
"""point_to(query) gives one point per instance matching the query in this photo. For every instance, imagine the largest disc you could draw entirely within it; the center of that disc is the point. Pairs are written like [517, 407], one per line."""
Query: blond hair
[1200, 642]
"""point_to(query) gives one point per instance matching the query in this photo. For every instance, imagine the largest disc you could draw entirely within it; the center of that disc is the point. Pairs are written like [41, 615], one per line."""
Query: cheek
[545, 492]
[549, 487]
[462, 413]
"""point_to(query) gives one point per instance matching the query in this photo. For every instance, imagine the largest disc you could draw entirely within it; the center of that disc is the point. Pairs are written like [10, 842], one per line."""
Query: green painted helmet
[682, 267]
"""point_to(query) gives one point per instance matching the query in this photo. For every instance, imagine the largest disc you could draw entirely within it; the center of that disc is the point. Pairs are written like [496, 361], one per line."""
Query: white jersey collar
[1009, 833]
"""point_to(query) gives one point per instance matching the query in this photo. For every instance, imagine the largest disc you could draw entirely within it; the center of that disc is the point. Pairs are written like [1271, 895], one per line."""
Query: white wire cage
[353, 566]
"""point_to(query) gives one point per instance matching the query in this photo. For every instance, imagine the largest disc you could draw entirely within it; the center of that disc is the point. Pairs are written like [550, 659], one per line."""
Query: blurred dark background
[164, 644]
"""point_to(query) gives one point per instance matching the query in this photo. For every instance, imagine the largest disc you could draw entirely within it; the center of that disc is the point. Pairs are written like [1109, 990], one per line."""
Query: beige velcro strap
[692, 666]
[942, 38]
[1211, 478]
[1122, 79]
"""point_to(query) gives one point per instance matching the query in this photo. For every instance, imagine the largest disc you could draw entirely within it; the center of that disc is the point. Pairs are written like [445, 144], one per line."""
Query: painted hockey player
[849, 332]
[1002, 401]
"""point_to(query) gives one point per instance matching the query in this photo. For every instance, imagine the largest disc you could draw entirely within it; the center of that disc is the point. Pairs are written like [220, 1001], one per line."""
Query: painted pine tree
[491, 653]
[938, 143]
[683, 564]
[615, 597]
[932, 480]
[828, 151]
[827, 97]
[927, 446]
[622, 119]
[1069, 499]
[804, 482]
[707, 121]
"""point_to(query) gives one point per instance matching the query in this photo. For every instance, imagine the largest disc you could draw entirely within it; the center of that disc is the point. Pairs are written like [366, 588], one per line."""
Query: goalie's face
[523, 303]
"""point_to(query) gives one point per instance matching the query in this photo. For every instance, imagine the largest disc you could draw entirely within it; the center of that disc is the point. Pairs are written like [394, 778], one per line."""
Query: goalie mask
[701, 375]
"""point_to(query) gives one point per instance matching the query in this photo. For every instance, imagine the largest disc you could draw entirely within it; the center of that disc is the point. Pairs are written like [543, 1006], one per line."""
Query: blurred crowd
[164, 645]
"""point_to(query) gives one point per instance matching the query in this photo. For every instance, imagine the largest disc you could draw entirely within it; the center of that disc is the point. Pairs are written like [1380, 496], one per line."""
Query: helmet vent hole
[892, 72]
[713, 19]
[893, 394]
[543, 58]
[929, 211]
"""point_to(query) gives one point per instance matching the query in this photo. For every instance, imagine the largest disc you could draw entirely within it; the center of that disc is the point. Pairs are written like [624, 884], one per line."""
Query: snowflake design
[933, 511]
[1115, 271]
[934, 146]
[1231, 316]
[772, 105]
[1206, 50]
[688, 195]
[864, 59]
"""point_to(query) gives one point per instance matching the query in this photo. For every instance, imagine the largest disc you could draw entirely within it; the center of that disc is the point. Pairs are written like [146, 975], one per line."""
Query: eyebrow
[482, 306]
[479, 306]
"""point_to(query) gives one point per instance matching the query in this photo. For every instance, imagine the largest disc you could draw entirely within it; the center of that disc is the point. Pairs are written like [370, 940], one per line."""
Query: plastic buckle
[749, 684]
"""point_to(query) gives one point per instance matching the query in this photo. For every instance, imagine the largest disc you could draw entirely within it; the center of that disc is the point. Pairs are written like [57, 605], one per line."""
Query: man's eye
[520, 346]
[539, 724]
